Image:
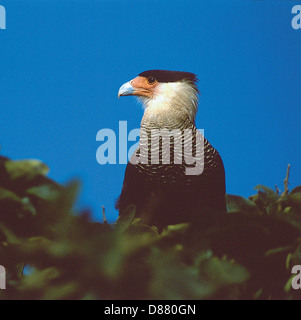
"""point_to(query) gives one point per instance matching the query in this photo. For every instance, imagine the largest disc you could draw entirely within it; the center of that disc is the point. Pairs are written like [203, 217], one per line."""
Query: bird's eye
[151, 80]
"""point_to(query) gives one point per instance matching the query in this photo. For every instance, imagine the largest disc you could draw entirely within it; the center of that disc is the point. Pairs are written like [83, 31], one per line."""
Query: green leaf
[7, 195]
[126, 218]
[237, 204]
[294, 198]
[44, 192]
[25, 169]
[176, 229]
[267, 194]
[224, 272]
[10, 202]
[296, 190]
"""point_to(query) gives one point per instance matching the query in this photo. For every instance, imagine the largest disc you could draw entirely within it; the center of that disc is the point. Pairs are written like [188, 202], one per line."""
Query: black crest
[170, 76]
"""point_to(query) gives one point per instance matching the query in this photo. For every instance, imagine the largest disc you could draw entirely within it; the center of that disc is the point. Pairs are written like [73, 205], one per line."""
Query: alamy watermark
[2, 278]
[2, 17]
[296, 21]
[296, 281]
[156, 146]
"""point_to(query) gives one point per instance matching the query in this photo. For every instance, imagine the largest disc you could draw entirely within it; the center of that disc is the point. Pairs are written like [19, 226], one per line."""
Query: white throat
[176, 100]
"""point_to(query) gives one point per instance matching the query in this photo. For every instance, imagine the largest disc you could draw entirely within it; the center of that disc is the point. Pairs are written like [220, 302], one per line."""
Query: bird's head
[162, 90]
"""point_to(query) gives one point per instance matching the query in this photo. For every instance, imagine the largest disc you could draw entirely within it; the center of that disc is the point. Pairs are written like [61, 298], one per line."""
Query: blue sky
[62, 63]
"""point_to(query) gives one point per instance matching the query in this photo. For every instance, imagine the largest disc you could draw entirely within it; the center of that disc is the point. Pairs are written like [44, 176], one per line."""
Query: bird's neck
[173, 107]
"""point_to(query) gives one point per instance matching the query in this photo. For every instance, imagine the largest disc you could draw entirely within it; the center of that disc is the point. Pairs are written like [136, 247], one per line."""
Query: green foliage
[247, 253]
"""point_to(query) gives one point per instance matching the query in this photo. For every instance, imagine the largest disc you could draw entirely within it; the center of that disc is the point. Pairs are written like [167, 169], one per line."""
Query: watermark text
[2, 17]
[156, 146]
[296, 21]
[2, 278]
[296, 281]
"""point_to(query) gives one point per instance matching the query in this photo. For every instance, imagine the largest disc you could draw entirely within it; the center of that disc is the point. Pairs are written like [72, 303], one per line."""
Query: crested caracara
[160, 184]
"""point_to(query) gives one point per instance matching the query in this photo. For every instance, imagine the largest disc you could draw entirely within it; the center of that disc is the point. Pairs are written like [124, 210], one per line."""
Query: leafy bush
[247, 253]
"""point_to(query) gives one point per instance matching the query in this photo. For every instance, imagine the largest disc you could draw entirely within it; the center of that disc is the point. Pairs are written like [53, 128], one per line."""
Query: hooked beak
[126, 90]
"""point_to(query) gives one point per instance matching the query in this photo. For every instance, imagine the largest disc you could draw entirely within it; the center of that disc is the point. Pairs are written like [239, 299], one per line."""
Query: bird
[163, 184]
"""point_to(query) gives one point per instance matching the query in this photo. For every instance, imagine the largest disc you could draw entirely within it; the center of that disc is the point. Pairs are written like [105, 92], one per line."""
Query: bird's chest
[164, 155]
